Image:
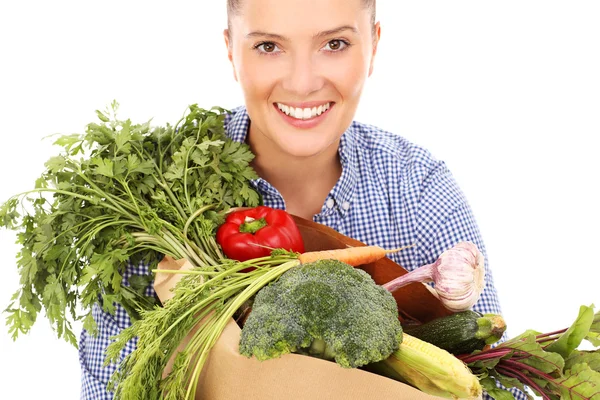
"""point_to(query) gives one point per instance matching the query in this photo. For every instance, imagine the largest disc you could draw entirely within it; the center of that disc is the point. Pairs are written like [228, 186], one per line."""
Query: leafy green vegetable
[489, 385]
[121, 191]
[534, 355]
[579, 382]
[548, 363]
[594, 334]
[590, 357]
[571, 339]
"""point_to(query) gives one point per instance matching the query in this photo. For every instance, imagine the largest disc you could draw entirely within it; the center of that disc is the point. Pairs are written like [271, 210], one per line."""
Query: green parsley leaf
[121, 192]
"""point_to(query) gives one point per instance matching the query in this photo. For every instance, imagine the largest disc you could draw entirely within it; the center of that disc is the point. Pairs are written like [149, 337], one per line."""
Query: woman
[302, 66]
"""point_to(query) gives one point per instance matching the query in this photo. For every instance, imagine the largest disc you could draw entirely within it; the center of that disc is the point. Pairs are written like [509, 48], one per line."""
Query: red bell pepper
[263, 226]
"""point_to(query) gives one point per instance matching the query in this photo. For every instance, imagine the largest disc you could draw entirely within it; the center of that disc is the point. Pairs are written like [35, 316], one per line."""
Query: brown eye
[267, 47]
[335, 45]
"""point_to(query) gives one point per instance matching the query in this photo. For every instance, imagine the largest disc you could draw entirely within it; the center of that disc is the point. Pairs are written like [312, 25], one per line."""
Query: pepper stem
[252, 225]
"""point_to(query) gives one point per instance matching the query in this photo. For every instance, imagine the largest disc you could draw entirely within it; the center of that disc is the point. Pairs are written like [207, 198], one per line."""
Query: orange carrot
[354, 256]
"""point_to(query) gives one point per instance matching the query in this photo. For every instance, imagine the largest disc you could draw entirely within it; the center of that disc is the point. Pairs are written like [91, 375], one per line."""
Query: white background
[506, 92]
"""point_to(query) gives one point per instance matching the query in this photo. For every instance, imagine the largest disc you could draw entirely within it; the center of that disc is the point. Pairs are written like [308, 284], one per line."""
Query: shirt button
[346, 206]
[329, 203]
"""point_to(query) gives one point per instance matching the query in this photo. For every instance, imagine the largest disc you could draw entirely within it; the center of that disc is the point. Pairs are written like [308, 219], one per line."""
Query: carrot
[354, 256]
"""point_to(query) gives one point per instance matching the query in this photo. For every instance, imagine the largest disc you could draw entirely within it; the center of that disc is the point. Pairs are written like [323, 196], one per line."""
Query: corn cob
[430, 369]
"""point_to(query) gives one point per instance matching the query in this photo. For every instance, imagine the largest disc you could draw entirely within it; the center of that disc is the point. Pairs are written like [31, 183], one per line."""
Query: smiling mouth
[303, 113]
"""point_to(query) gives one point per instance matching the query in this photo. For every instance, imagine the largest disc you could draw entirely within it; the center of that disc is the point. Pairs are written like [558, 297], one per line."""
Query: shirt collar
[343, 191]
[237, 124]
[340, 197]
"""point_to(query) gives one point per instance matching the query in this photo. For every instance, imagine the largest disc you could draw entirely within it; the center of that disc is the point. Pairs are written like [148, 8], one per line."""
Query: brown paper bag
[163, 283]
[229, 375]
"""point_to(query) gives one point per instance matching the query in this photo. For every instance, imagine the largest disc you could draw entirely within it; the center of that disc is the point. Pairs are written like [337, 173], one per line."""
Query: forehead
[297, 17]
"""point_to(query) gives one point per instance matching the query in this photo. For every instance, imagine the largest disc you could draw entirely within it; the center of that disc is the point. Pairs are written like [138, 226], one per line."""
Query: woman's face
[302, 65]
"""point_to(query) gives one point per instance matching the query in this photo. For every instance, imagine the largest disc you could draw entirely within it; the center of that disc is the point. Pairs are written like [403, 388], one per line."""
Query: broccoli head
[328, 309]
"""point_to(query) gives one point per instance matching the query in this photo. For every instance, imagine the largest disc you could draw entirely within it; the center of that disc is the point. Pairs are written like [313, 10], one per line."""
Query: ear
[228, 43]
[377, 33]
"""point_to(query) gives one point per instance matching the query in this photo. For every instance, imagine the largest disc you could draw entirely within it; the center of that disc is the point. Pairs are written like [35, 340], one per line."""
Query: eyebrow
[337, 30]
[318, 35]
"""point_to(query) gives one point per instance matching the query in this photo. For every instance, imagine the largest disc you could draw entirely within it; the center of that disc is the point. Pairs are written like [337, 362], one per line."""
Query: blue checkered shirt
[391, 193]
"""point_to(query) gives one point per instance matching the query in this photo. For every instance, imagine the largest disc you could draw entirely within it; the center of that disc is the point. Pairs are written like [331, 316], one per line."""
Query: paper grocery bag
[164, 282]
[228, 375]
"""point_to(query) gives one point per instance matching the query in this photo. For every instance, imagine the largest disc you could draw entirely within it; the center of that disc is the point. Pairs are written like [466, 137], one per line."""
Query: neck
[283, 171]
[304, 182]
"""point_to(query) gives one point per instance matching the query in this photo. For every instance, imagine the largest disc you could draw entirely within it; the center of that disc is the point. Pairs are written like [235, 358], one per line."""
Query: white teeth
[303, 113]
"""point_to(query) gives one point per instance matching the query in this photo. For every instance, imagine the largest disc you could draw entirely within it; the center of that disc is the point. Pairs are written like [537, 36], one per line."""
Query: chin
[300, 151]
[303, 145]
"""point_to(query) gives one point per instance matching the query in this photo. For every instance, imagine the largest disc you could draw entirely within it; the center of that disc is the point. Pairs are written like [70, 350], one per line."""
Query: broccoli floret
[328, 309]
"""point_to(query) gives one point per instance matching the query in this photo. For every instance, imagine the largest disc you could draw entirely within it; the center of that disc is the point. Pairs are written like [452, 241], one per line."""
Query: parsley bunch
[119, 192]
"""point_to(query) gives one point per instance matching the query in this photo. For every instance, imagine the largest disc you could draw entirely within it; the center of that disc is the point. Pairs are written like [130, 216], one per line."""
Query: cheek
[349, 76]
[255, 76]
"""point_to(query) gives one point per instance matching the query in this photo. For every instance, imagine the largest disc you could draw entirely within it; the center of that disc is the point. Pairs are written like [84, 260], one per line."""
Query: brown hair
[233, 8]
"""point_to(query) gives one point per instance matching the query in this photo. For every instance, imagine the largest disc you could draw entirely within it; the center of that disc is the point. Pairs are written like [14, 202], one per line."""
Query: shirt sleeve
[444, 219]
[461, 220]
[461, 226]
[92, 348]
[94, 375]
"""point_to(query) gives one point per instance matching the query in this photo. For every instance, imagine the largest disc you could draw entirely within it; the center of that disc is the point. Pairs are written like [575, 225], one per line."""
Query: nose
[303, 77]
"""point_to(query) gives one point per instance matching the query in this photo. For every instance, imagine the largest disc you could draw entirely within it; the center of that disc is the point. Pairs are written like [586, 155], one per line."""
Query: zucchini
[462, 332]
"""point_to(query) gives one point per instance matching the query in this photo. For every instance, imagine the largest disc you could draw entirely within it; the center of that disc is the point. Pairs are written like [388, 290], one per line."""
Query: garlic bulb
[458, 275]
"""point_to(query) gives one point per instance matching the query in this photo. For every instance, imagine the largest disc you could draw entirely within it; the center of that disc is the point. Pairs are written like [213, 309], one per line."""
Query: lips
[303, 113]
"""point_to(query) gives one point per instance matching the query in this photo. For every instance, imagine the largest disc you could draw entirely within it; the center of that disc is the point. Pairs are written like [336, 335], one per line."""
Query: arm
[442, 217]
[444, 202]
[94, 376]
[461, 226]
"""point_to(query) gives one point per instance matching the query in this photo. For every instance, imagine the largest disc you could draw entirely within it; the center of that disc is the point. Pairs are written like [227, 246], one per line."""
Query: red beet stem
[529, 368]
[485, 355]
[523, 378]
[544, 335]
